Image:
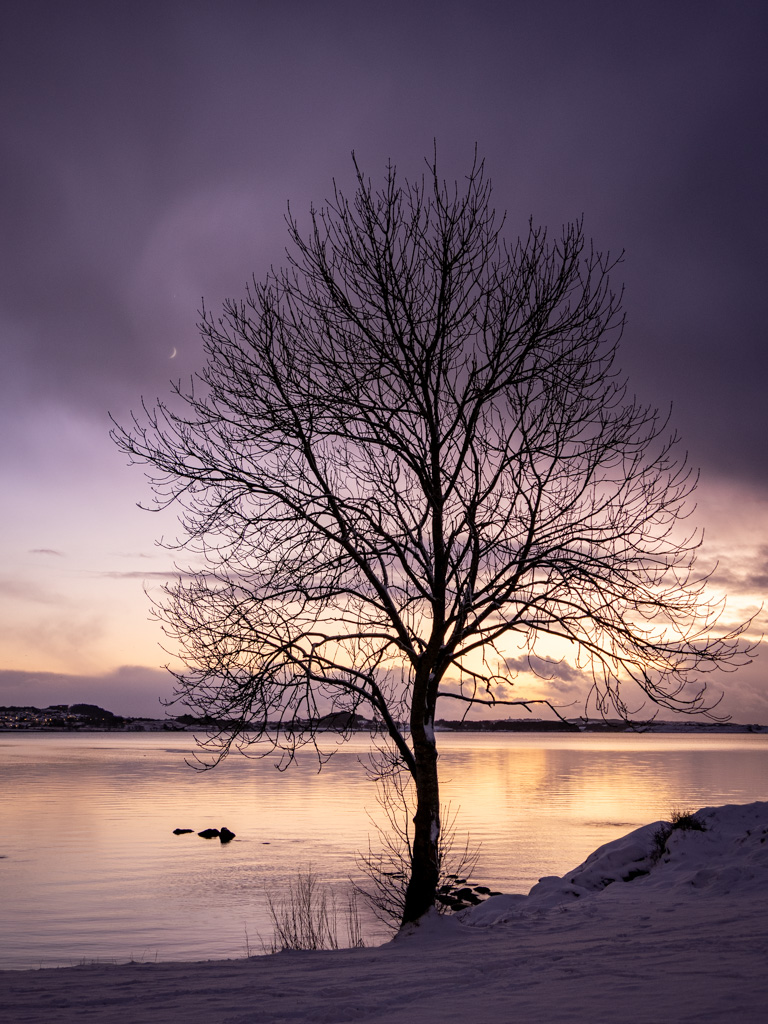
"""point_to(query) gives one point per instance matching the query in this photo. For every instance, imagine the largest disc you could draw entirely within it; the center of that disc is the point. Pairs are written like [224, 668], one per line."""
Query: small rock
[209, 833]
[225, 835]
[182, 831]
[462, 894]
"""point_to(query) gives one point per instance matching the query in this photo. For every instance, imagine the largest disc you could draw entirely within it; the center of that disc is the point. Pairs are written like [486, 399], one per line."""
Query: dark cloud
[129, 690]
[743, 575]
[137, 575]
[548, 669]
[46, 551]
[149, 151]
[745, 695]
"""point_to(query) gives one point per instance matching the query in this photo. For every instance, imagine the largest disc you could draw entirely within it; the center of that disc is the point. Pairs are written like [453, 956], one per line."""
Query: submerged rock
[182, 831]
[209, 833]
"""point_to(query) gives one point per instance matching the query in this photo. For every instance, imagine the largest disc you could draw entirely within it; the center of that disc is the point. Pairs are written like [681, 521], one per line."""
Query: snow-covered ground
[684, 939]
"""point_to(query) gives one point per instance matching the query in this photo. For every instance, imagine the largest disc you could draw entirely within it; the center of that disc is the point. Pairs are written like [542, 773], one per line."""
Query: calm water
[90, 869]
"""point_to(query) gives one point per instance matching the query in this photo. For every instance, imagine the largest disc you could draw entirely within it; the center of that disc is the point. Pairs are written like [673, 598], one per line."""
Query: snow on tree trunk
[425, 866]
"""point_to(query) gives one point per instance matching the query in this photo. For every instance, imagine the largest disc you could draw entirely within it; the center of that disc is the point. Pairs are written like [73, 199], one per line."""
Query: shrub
[685, 820]
[679, 820]
[308, 917]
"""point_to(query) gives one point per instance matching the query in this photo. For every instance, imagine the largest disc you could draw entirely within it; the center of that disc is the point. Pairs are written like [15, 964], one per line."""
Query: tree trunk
[425, 867]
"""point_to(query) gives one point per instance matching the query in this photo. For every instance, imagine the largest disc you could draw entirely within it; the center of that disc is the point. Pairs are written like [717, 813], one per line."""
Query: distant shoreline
[62, 718]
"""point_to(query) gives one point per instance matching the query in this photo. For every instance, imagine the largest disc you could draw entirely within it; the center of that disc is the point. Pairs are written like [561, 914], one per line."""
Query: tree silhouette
[408, 456]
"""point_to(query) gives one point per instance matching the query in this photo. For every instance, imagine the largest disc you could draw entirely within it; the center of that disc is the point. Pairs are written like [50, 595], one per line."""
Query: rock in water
[209, 833]
[225, 835]
[182, 831]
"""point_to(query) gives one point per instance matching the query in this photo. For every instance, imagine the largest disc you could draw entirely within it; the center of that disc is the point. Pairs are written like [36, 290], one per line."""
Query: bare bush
[307, 917]
[387, 865]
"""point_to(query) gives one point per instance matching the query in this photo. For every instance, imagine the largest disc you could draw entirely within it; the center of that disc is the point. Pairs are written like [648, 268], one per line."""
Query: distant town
[91, 718]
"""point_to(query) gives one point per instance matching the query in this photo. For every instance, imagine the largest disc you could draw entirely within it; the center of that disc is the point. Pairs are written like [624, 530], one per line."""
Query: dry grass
[308, 917]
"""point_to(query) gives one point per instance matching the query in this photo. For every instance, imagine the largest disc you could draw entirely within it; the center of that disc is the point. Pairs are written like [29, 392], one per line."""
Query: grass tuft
[307, 917]
[679, 821]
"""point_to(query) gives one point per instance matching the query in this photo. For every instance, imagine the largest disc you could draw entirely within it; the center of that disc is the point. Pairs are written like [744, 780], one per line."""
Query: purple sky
[149, 150]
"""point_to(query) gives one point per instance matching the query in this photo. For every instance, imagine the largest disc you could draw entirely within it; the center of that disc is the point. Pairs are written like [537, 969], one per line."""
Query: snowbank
[727, 852]
[664, 925]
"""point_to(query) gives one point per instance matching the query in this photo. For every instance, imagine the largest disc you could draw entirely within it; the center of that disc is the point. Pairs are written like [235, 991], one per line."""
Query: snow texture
[662, 925]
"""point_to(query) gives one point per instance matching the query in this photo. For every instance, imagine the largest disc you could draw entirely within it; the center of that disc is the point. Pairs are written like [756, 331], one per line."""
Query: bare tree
[408, 453]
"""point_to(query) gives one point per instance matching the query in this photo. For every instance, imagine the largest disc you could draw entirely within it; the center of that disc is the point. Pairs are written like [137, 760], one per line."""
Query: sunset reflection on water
[91, 868]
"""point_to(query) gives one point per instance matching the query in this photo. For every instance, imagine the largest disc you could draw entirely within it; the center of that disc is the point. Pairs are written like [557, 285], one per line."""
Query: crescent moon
[173, 354]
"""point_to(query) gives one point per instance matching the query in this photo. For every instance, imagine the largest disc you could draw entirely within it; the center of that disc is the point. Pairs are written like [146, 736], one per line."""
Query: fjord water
[90, 868]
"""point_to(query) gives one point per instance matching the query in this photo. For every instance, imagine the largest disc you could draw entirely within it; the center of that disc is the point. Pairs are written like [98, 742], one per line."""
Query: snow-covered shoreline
[685, 939]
